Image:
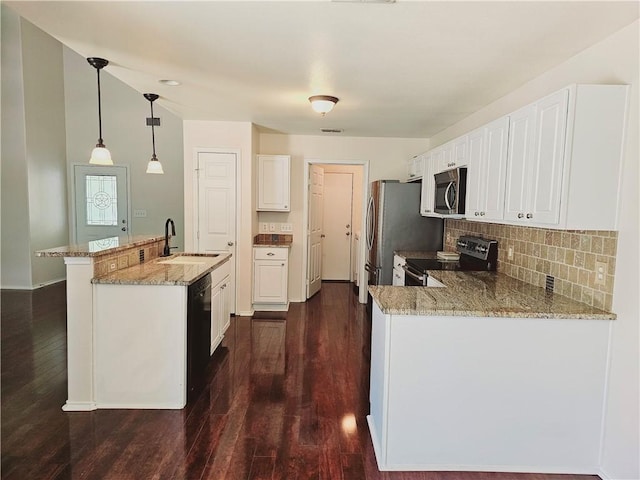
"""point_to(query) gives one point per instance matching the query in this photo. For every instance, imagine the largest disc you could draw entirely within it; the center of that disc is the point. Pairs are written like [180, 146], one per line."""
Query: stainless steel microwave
[450, 191]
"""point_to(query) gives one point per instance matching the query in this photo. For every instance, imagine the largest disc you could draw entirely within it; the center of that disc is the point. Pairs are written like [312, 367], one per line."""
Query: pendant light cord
[153, 136]
[99, 111]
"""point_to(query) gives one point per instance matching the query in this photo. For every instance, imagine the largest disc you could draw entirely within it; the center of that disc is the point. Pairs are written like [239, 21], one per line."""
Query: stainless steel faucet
[167, 249]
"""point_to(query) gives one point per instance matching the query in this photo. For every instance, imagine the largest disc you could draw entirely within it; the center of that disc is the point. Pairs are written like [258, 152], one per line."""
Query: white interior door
[101, 202]
[336, 248]
[314, 231]
[216, 216]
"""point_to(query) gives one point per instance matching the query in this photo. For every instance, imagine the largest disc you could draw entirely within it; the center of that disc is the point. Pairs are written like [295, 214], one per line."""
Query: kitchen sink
[187, 260]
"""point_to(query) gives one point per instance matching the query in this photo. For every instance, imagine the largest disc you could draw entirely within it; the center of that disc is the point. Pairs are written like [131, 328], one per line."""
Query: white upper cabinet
[564, 159]
[536, 156]
[428, 187]
[487, 160]
[415, 168]
[274, 183]
[443, 158]
[460, 152]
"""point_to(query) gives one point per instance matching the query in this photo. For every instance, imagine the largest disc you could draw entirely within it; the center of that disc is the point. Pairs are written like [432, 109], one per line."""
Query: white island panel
[487, 394]
[140, 346]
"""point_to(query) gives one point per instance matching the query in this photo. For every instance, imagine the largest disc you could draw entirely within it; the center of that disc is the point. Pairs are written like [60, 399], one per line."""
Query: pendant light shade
[323, 103]
[100, 155]
[154, 165]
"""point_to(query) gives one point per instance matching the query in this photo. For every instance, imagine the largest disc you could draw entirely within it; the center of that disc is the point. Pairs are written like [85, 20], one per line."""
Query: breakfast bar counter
[486, 374]
[481, 294]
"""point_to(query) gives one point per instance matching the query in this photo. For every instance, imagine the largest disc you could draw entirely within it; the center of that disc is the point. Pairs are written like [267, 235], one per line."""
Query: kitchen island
[486, 374]
[109, 259]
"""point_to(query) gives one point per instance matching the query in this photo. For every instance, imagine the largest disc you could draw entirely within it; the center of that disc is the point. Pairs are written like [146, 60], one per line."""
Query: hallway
[284, 399]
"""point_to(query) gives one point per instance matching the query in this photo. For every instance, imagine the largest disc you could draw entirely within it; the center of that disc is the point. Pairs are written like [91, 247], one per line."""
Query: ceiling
[404, 69]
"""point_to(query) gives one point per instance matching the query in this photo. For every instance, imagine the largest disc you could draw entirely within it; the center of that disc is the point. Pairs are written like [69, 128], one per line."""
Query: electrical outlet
[264, 227]
[113, 266]
[139, 213]
[510, 253]
[601, 273]
[286, 227]
[448, 237]
[272, 227]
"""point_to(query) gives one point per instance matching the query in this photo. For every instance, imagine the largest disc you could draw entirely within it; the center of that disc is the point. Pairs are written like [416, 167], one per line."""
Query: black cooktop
[421, 265]
[476, 254]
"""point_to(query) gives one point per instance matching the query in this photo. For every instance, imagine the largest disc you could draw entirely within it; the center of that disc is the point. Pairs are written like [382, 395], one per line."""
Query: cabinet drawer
[266, 253]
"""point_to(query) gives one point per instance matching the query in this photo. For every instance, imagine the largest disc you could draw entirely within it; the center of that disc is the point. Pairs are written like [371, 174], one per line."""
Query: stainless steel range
[476, 254]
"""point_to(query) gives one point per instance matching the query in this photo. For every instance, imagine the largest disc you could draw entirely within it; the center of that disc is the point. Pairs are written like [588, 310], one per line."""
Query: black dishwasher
[198, 333]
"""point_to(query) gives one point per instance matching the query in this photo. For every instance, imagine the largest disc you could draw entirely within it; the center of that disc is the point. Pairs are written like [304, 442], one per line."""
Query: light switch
[139, 213]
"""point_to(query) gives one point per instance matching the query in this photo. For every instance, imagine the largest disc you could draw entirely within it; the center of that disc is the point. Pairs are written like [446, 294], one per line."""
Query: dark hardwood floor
[285, 399]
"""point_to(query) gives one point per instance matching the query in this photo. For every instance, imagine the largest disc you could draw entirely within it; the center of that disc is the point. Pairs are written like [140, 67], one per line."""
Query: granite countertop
[272, 245]
[154, 272]
[273, 240]
[481, 294]
[97, 248]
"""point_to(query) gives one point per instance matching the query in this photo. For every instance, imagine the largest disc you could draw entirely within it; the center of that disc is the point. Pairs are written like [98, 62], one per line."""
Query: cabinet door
[415, 168]
[270, 281]
[216, 317]
[273, 183]
[444, 159]
[519, 168]
[548, 159]
[225, 308]
[476, 174]
[492, 201]
[460, 152]
[428, 186]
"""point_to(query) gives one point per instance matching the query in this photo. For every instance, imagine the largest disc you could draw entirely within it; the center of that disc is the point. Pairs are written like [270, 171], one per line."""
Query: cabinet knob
[271, 254]
[230, 244]
[482, 214]
[520, 215]
[476, 213]
[282, 264]
[529, 215]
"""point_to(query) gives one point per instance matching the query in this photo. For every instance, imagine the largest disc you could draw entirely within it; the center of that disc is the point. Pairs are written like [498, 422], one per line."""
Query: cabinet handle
[482, 214]
[271, 254]
[529, 215]
[520, 215]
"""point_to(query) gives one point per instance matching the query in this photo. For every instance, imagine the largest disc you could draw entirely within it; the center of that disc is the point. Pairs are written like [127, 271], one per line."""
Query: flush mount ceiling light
[154, 165]
[323, 103]
[100, 155]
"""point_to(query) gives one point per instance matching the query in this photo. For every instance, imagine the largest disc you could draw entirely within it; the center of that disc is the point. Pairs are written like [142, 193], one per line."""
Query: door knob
[348, 233]
[322, 235]
[347, 226]
[230, 244]
[124, 229]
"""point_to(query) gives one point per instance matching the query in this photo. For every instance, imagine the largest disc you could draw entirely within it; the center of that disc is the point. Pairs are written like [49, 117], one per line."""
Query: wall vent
[549, 283]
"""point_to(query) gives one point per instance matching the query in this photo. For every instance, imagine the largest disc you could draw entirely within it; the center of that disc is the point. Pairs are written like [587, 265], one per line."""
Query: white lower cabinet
[220, 307]
[270, 278]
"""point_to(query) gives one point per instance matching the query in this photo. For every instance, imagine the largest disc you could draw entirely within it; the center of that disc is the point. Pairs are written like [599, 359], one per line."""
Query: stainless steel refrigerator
[394, 223]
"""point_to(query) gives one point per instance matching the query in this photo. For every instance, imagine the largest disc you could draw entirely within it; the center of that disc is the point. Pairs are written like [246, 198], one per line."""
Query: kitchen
[378, 150]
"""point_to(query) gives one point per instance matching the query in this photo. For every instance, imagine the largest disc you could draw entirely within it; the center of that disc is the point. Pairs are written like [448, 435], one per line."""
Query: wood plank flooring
[285, 398]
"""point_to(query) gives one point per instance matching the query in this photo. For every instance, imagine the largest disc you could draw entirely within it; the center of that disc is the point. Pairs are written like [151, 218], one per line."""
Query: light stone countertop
[272, 245]
[153, 272]
[97, 248]
[481, 294]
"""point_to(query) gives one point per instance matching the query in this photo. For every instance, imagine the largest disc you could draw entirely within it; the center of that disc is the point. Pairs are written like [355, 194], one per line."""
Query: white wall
[615, 61]
[127, 136]
[34, 214]
[232, 136]
[386, 156]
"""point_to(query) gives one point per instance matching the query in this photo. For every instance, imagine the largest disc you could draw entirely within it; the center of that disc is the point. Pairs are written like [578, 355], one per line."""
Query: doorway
[358, 170]
[100, 203]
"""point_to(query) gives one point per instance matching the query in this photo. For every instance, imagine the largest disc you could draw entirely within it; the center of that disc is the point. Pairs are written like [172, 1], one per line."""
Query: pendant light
[100, 155]
[154, 165]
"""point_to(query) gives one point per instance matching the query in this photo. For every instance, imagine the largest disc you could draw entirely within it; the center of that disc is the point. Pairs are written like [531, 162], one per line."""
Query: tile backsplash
[126, 258]
[569, 256]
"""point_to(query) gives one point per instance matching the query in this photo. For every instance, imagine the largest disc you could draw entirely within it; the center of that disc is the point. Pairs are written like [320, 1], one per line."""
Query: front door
[217, 209]
[101, 202]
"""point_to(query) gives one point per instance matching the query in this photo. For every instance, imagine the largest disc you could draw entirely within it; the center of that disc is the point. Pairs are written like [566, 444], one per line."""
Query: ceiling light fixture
[323, 103]
[154, 165]
[100, 155]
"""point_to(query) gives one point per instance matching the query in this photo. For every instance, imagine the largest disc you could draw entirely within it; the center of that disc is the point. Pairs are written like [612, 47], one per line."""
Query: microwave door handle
[446, 196]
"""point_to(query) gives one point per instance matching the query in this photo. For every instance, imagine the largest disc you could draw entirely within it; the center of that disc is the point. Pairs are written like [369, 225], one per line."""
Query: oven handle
[422, 278]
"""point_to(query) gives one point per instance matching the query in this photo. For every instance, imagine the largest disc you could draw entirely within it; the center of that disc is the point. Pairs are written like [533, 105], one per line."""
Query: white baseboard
[32, 287]
[79, 406]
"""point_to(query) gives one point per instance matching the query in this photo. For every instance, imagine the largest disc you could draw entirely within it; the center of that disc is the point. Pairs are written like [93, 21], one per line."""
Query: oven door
[414, 279]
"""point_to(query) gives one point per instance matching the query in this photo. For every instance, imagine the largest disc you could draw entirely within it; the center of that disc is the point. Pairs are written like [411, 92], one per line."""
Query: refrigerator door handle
[370, 222]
